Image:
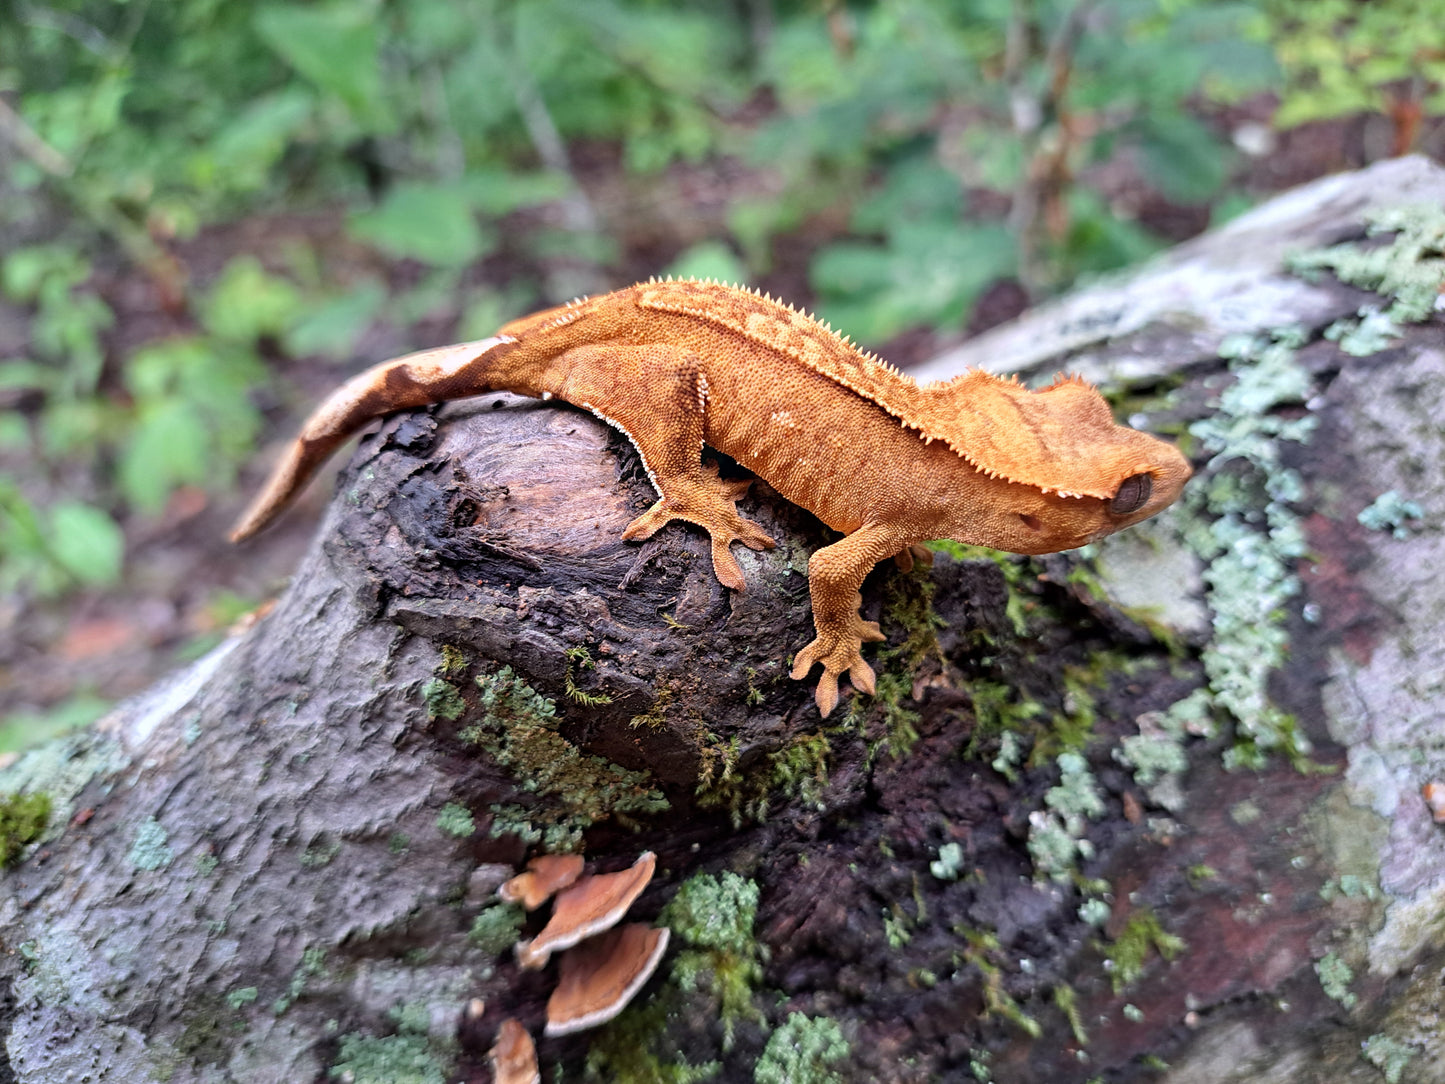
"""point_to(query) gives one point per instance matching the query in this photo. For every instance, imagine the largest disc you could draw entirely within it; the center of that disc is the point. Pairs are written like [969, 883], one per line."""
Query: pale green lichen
[1335, 978]
[712, 917]
[456, 820]
[1388, 1055]
[1391, 512]
[1056, 838]
[1095, 912]
[312, 965]
[242, 996]
[1409, 268]
[393, 1059]
[949, 863]
[443, 700]
[1367, 333]
[801, 1050]
[1245, 529]
[495, 928]
[149, 850]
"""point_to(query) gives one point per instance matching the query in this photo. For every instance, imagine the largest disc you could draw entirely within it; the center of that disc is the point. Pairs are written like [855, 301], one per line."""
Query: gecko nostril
[1030, 522]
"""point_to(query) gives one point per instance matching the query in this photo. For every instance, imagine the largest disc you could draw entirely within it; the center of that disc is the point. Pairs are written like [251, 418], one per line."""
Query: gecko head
[1054, 470]
[1148, 475]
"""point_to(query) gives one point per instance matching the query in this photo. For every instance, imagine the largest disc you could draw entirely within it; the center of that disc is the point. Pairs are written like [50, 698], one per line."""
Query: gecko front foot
[839, 650]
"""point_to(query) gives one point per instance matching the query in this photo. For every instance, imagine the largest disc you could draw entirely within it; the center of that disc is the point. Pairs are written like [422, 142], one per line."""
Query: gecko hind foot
[709, 502]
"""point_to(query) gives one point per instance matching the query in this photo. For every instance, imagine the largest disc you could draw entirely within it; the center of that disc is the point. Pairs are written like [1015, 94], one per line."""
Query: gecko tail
[429, 376]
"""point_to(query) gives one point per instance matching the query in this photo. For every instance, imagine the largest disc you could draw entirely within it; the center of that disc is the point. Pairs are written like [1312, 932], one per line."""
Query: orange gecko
[677, 365]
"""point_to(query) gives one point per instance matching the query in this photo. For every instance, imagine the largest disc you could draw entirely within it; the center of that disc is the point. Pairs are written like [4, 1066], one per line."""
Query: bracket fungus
[544, 876]
[601, 975]
[585, 909]
[514, 1056]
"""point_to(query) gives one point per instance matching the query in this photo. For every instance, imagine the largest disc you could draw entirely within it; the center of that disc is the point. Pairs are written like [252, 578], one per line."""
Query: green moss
[1388, 1055]
[801, 1050]
[1129, 951]
[1068, 1002]
[623, 1051]
[149, 849]
[582, 659]
[1335, 978]
[713, 918]
[495, 928]
[982, 951]
[320, 852]
[797, 772]
[453, 663]
[394, 1059]
[517, 728]
[23, 818]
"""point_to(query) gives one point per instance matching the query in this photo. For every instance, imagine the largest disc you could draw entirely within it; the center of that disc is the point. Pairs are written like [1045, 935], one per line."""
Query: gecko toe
[826, 695]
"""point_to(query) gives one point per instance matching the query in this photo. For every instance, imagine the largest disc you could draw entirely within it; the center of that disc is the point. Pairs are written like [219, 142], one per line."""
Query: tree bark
[279, 865]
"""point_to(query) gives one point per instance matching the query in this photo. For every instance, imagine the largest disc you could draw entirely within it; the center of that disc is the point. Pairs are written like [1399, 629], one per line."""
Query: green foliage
[1340, 57]
[23, 818]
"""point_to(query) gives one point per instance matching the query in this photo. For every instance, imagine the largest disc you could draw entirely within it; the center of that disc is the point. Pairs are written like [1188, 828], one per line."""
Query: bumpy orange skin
[677, 365]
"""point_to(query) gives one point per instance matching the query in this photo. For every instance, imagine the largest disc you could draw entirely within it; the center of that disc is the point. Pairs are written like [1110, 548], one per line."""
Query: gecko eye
[1133, 493]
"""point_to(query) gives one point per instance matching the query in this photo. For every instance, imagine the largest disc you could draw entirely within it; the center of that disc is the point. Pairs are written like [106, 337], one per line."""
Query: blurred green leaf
[331, 328]
[709, 260]
[22, 729]
[246, 302]
[167, 448]
[1182, 157]
[87, 543]
[433, 223]
[337, 47]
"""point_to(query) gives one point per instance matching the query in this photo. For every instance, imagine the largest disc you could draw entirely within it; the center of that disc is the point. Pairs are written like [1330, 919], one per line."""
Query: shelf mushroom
[544, 876]
[601, 975]
[585, 909]
[514, 1056]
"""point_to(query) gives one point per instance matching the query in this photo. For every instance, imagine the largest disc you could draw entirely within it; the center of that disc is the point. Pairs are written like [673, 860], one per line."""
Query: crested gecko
[682, 364]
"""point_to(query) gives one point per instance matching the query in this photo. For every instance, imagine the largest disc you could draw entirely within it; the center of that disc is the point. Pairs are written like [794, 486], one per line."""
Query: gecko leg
[663, 412]
[834, 575]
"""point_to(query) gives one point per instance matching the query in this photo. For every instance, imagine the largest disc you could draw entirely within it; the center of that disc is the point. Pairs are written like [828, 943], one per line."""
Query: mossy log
[1021, 861]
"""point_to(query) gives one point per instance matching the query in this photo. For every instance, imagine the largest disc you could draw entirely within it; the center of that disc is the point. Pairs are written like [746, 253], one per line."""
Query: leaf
[433, 223]
[168, 447]
[332, 328]
[246, 302]
[709, 260]
[86, 542]
[1182, 157]
[337, 47]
